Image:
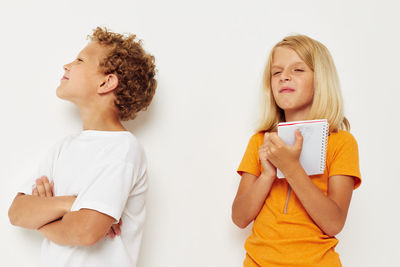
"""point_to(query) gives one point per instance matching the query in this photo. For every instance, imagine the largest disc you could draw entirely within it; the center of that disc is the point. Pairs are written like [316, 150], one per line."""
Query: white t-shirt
[107, 172]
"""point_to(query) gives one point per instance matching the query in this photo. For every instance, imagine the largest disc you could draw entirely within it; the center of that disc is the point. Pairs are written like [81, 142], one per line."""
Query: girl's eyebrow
[293, 64]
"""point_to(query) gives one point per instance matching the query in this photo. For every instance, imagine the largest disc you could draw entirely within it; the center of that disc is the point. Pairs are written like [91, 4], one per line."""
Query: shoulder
[129, 148]
[341, 142]
[62, 143]
[132, 145]
[340, 138]
[120, 146]
[257, 139]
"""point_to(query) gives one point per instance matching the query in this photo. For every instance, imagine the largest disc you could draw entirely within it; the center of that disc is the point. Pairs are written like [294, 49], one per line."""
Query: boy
[97, 178]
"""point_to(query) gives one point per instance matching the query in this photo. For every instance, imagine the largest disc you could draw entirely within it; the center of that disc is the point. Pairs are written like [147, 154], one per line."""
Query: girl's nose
[285, 76]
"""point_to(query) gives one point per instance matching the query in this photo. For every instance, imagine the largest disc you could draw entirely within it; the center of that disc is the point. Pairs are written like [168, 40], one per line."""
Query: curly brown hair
[134, 68]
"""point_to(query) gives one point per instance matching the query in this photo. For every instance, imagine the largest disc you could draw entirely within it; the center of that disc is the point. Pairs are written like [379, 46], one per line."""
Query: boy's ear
[109, 84]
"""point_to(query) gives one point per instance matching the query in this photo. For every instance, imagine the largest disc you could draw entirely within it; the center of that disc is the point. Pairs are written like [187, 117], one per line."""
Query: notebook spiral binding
[325, 147]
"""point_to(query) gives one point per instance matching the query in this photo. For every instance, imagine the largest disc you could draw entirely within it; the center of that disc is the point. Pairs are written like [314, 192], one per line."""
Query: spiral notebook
[315, 140]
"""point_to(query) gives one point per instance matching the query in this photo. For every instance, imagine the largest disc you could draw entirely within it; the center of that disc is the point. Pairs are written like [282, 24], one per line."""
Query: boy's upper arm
[108, 192]
[45, 167]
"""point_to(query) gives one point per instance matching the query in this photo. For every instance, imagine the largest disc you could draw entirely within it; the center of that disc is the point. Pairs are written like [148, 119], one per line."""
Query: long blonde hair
[327, 101]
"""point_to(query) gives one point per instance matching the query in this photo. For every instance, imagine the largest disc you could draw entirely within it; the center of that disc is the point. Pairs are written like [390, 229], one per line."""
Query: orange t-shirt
[292, 238]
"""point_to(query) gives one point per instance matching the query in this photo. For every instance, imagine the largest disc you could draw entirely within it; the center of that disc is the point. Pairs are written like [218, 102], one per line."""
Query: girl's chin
[287, 106]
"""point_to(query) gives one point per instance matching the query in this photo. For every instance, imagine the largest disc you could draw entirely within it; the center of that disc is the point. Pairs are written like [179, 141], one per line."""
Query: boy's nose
[67, 67]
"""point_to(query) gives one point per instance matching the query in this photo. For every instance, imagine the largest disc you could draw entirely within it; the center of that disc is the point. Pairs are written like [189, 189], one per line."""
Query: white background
[210, 56]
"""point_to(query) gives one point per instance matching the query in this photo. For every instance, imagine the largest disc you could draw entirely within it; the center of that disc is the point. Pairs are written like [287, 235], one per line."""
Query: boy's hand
[115, 229]
[43, 187]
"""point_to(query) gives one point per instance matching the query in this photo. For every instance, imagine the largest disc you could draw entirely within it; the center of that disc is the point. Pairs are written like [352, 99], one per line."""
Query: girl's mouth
[286, 90]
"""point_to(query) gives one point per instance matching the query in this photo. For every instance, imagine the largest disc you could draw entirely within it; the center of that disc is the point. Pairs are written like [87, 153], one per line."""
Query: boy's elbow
[87, 241]
[84, 228]
[87, 237]
[12, 216]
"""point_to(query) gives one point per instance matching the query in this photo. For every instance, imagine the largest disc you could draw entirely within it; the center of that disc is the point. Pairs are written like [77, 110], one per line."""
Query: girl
[296, 218]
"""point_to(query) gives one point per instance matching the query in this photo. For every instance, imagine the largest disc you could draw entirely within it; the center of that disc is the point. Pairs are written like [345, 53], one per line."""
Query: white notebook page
[315, 138]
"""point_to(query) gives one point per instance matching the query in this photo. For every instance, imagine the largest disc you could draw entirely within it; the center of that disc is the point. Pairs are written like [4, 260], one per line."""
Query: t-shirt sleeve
[108, 190]
[345, 159]
[250, 162]
[45, 168]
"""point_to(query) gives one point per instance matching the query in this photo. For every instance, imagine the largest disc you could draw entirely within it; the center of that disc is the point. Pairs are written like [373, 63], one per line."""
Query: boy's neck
[100, 120]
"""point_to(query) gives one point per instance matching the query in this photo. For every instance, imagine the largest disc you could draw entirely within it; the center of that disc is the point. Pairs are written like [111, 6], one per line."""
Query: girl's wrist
[268, 176]
[293, 170]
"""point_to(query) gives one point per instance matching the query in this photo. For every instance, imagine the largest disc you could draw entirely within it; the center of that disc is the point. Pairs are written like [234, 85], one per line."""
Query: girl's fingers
[267, 139]
[266, 136]
[275, 140]
[35, 192]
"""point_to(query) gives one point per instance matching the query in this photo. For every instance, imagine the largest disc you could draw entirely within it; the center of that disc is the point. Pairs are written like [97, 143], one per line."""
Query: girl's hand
[268, 168]
[43, 187]
[282, 156]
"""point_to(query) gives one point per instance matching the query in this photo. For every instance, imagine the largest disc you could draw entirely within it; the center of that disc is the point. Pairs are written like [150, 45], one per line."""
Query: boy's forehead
[93, 51]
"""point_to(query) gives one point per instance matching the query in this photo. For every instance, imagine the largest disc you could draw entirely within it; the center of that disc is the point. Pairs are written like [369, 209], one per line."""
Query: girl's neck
[297, 115]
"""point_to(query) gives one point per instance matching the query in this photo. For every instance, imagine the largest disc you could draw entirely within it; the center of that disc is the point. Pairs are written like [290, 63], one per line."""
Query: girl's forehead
[284, 55]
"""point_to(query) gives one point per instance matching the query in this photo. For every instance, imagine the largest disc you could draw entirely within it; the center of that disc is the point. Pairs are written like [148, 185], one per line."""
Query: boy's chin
[60, 95]
[60, 92]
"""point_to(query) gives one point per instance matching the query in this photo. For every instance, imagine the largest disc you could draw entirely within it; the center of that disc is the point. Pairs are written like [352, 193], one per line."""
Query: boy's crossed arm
[32, 212]
[78, 228]
[52, 217]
